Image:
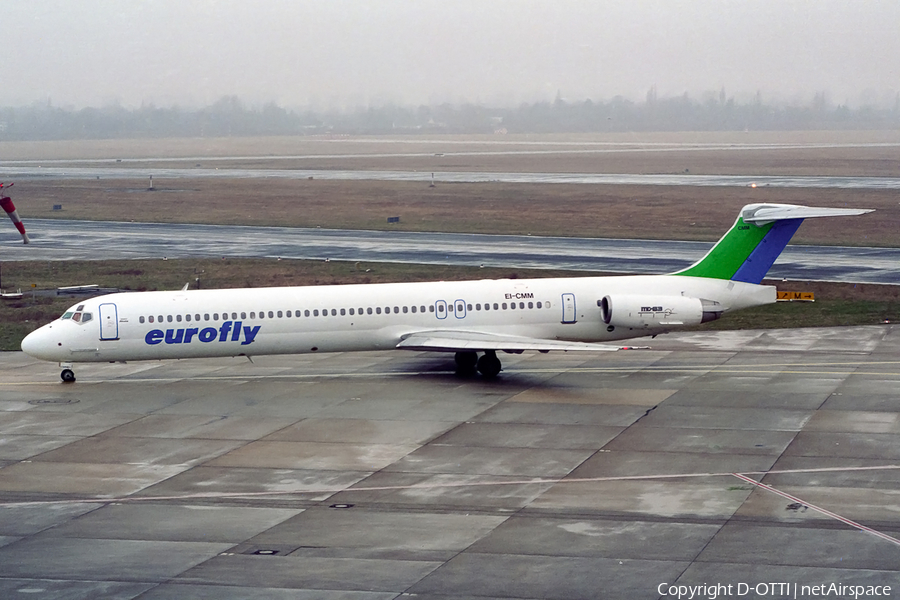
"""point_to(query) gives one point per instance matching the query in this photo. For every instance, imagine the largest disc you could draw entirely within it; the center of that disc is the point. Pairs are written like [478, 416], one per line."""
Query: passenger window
[206, 317]
[487, 306]
[344, 312]
[160, 318]
[369, 311]
[187, 317]
[495, 306]
[197, 317]
[414, 309]
[306, 313]
[405, 309]
[512, 306]
[333, 312]
[271, 315]
[422, 309]
[169, 318]
[215, 316]
[477, 306]
[178, 318]
[531, 305]
[521, 305]
[538, 304]
[140, 319]
[504, 306]
[150, 318]
[352, 312]
[279, 314]
[378, 310]
[243, 315]
[316, 312]
[440, 308]
[296, 313]
[253, 315]
[360, 311]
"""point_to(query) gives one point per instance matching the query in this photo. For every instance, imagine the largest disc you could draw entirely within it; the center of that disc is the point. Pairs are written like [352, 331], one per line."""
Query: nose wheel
[67, 376]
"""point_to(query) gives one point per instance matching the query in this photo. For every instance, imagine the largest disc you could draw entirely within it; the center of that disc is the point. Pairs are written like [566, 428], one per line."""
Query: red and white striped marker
[10, 208]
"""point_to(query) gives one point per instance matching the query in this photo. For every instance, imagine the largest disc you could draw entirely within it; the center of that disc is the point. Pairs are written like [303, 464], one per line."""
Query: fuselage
[295, 320]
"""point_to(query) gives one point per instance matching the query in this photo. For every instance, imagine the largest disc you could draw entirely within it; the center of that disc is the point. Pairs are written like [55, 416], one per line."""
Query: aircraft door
[109, 322]
[568, 304]
[460, 309]
[440, 309]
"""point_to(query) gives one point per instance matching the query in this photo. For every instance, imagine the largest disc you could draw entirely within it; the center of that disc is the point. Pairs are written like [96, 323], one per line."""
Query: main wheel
[465, 362]
[489, 365]
[68, 376]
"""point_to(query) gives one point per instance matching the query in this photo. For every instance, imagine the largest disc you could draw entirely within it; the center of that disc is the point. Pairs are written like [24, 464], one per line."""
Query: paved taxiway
[371, 475]
[94, 240]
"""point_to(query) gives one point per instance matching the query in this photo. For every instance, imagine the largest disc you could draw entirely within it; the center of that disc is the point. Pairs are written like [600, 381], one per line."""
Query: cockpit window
[78, 316]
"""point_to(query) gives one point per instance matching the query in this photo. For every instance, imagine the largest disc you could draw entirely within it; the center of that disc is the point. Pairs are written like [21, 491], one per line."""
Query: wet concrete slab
[373, 475]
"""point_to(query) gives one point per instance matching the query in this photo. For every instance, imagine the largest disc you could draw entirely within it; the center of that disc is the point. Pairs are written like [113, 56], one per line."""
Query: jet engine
[650, 312]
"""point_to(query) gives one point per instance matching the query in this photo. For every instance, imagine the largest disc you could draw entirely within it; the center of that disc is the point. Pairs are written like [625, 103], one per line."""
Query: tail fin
[760, 233]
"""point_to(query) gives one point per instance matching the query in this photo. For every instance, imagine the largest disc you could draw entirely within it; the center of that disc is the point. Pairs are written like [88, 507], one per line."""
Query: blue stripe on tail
[764, 255]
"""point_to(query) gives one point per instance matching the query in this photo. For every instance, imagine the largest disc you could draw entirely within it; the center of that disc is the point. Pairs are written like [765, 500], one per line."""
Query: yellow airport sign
[796, 297]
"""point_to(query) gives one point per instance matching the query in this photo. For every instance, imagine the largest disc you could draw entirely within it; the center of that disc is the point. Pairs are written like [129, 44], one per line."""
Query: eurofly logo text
[228, 332]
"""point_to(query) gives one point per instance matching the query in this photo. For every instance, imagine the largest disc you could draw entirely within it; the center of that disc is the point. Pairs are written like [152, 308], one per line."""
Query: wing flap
[470, 341]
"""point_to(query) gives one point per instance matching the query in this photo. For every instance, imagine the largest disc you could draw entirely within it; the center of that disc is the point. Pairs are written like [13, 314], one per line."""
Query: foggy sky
[500, 52]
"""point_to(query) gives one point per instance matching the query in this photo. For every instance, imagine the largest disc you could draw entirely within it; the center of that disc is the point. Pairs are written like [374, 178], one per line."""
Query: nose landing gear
[67, 375]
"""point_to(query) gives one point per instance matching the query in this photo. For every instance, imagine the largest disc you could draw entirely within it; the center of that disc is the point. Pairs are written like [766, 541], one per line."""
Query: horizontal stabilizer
[760, 215]
[470, 341]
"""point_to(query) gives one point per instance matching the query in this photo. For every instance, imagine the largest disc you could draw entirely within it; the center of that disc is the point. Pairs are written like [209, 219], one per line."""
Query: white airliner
[465, 317]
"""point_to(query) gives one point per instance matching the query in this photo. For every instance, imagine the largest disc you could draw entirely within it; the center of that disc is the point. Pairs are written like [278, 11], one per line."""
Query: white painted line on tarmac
[818, 509]
[448, 485]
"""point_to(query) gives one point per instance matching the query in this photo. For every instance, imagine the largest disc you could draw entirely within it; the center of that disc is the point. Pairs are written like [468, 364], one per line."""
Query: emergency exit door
[568, 304]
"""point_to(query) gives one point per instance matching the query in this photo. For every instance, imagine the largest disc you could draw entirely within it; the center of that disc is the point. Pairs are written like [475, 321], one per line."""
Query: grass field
[619, 211]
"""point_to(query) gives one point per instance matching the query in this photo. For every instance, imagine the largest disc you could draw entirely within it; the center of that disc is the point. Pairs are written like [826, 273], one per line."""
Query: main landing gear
[488, 364]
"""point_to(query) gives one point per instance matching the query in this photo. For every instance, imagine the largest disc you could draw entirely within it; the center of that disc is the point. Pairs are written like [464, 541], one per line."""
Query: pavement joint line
[453, 485]
[818, 509]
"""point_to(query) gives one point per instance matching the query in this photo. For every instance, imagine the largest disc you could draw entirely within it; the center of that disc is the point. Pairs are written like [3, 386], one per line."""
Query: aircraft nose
[40, 343]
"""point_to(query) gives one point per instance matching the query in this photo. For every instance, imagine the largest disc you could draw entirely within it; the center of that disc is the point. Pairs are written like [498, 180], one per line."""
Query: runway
[25, 172]
[101, 240]
[384, 475]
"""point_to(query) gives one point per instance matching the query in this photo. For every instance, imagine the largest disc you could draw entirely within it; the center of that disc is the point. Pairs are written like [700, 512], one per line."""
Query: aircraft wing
[470, 341]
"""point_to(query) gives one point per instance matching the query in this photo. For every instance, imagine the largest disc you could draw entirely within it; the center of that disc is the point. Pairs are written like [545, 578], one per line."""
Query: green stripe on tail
[727, 256]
